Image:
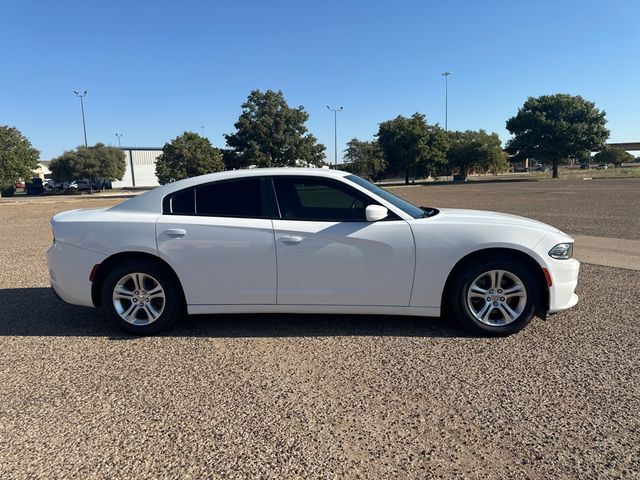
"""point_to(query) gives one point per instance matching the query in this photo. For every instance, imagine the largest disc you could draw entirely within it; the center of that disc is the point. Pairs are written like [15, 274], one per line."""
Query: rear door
[328, 254]
[219, 239]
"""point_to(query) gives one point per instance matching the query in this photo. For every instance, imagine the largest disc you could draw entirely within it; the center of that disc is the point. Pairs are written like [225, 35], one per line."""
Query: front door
[328, 254]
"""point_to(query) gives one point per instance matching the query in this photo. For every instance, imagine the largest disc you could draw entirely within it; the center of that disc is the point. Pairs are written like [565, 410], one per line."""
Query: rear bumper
[564, 275]
[69, 269]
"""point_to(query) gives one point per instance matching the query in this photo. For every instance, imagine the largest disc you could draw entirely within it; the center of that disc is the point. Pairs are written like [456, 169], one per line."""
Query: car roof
[151, 201]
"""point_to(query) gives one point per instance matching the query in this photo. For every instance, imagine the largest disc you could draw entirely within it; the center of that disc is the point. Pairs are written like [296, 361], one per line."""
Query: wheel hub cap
[139, 298]
[497, 297]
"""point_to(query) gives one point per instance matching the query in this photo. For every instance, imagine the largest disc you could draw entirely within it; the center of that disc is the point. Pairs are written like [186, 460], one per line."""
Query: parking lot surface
[310, 396]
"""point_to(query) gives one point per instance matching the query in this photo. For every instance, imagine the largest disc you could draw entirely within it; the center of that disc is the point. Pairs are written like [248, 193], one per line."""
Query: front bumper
[564, 276]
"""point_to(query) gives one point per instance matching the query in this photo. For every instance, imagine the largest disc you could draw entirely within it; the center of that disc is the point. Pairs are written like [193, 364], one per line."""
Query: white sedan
[306, 241]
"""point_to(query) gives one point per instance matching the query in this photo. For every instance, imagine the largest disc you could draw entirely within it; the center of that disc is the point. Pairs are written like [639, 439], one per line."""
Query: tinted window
[235, 198]
[182, 203]
[309, 198]
[407, 207]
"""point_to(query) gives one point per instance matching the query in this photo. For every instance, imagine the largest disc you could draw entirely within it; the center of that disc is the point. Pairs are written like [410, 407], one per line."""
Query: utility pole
[84, 125]
[119, 135]
[335, 132]
[446, 100]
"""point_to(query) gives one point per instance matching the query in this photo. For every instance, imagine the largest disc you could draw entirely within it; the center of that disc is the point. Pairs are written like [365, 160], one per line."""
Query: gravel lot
[268, 396]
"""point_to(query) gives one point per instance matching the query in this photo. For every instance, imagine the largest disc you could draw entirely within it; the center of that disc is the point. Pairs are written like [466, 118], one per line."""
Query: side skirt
[315, 309]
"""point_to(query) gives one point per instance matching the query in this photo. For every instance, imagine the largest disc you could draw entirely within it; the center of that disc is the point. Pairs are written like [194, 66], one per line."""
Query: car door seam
[415, 262]
[275, 249]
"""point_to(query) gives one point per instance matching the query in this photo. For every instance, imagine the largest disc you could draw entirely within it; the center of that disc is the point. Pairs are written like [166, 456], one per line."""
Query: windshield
[403, 205]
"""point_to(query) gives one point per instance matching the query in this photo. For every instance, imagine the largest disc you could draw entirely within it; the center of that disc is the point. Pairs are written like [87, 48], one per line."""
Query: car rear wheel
[141, 297]
[494, 297]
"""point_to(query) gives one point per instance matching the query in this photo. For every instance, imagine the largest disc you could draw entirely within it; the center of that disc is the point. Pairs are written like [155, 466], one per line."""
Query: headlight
[562, 251]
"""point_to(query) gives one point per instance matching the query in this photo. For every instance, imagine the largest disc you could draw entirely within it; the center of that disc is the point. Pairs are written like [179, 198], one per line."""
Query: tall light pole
[84, 125]
[446, 100]
[202, 127]
[335, 132]
[119, 135]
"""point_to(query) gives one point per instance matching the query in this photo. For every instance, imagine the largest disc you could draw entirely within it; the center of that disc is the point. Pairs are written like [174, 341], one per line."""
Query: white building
[141, 168]
[42, 171]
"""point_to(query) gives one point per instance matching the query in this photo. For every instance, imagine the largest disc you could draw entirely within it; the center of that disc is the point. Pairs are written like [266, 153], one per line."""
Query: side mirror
[376, 212]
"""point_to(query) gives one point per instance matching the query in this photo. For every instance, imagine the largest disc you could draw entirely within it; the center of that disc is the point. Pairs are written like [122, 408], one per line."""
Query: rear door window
[243, 198]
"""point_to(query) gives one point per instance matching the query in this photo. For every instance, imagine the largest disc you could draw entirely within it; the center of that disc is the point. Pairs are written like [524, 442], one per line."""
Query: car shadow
[38, 312]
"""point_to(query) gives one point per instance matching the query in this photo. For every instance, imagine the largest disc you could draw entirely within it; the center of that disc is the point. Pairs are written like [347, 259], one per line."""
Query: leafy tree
[365, 159]
[187, 155]
[230, 159]
[64, 167]
[555, 127]
[98, 164]
[17, 157]
[269, 133]
[411, 146]
[475, 150]
[615, 155]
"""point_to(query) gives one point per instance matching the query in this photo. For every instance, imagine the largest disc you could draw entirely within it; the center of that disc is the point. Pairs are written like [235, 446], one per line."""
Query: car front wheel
[141, 297]
[494, 297]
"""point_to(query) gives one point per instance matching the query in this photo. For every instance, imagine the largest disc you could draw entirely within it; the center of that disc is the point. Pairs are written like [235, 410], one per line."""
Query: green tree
[556, 127]
[411, 146]
[615, 155]
[475, 150]
[64, 167]
[187, 155]
[17, 157]
[98, 164]
[269, 133]
[365, 159]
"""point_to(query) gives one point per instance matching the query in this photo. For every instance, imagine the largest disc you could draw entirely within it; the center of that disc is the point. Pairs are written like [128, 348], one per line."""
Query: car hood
[480, 217]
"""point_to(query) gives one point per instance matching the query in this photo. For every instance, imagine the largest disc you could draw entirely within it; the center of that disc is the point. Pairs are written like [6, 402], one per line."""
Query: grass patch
[576, 173]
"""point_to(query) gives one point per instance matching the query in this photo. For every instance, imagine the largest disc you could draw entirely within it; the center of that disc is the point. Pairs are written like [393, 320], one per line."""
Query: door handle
[291, 239]
[176, 232]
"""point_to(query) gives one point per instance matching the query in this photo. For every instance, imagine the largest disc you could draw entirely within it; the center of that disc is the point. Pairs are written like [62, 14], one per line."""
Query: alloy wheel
[497, 298]
[139, 298]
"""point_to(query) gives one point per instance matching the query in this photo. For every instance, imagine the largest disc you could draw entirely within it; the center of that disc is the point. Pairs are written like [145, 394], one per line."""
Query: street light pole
[446, 100]
[84, 125]
[119, 135]
[335, 132]
[202, 127]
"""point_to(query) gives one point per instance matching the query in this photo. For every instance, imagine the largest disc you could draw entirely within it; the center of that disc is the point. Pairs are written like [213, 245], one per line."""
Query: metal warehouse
[141, 168]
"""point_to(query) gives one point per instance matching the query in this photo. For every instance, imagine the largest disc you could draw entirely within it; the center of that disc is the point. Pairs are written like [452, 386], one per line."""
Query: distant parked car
[603, 166]
[81, 185]
[34, 187]
[306, 241]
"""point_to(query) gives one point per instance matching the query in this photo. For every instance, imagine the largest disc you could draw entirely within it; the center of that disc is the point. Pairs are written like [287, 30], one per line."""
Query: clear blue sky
[156, 69]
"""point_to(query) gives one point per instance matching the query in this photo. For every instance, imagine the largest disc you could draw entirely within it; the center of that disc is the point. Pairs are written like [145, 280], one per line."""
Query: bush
[7, 191]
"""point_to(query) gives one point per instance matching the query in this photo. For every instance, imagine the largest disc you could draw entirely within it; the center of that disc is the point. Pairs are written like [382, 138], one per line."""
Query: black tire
[160, 311]
[468, 306]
